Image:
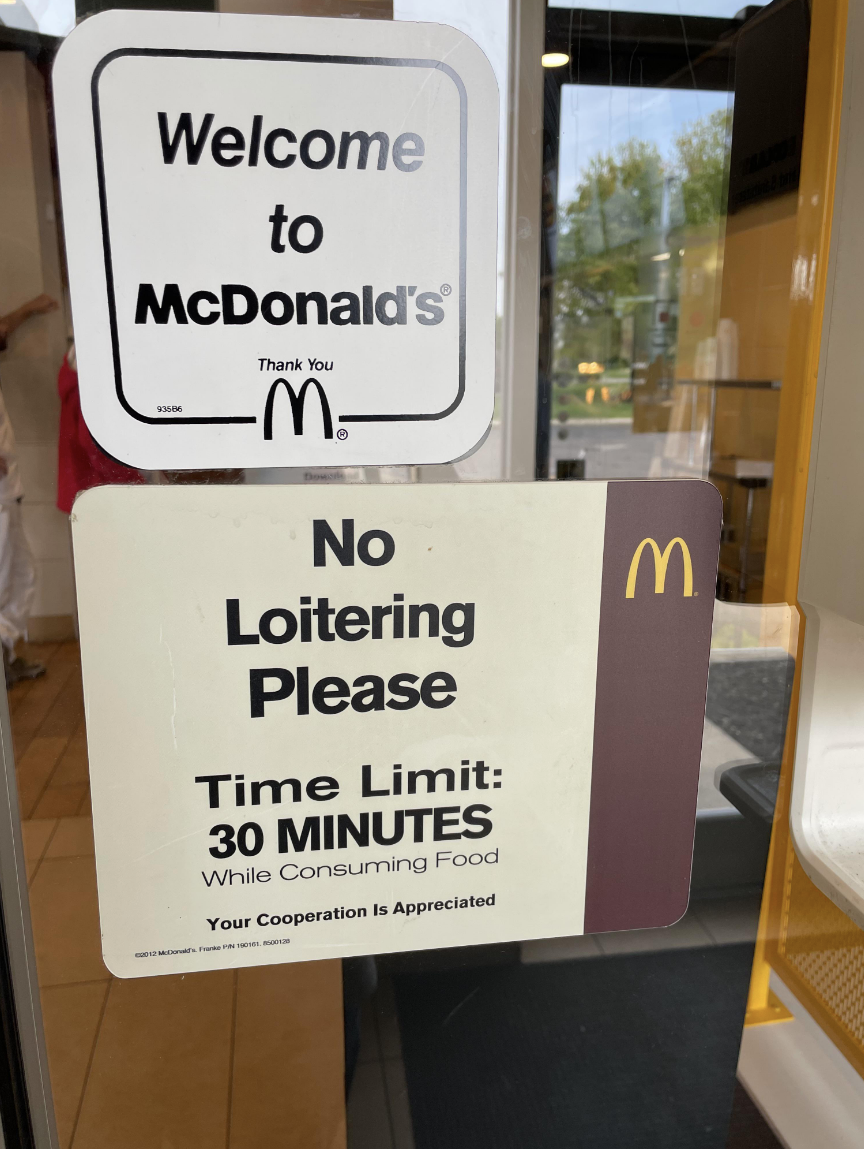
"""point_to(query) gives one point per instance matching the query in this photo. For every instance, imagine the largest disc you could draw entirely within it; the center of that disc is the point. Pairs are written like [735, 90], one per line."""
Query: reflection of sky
[722, 8]
[53, 17]
[597, 119]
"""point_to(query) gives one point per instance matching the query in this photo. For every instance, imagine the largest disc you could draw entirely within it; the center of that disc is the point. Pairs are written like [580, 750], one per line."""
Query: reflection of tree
[624, 207]
[600, 233]
[702, 152]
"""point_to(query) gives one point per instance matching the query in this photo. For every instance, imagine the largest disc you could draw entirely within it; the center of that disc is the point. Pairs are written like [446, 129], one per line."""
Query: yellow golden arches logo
[661, 562]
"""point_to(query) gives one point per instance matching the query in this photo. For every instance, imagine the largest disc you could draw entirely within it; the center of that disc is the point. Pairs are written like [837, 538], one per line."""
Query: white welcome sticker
[281, 236]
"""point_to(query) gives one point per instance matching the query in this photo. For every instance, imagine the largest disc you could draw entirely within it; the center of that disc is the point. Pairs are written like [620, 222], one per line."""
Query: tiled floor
[247, 1059]
[250, 1059]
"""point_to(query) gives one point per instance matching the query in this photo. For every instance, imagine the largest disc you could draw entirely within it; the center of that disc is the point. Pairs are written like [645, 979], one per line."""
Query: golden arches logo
[661, 562]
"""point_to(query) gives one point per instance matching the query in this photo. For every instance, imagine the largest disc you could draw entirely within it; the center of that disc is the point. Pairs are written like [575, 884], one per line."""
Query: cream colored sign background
[168, 700]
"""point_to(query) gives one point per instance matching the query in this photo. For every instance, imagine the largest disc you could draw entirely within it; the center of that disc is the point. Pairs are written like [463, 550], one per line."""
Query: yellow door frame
[786, 524]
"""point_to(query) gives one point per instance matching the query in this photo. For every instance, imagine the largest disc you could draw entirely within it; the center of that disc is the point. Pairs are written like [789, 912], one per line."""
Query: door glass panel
[640, 186]
[664, 322]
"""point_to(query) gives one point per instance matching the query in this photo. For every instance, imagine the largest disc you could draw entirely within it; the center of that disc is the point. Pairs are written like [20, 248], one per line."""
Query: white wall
[30, 264]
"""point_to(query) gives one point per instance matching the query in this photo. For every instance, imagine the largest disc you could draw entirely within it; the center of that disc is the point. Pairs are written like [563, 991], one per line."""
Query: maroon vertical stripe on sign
[652, 676]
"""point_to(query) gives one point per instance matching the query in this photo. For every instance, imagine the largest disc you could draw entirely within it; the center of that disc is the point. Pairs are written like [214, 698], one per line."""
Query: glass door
[677, 163]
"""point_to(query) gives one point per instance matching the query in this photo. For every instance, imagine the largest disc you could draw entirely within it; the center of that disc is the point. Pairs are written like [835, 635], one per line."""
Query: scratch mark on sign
[162, 642]
[456, 1008]
[168, 845]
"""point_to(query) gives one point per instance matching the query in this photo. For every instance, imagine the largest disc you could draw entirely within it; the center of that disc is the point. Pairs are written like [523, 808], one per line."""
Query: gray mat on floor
[750, 701]
[608, 1053]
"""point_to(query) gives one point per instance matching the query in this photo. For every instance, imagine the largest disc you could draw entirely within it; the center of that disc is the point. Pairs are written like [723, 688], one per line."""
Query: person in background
[81, 463]
[17, 570]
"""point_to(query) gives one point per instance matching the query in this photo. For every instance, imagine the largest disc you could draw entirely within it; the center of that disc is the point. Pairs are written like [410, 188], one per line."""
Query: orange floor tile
[248, 1059]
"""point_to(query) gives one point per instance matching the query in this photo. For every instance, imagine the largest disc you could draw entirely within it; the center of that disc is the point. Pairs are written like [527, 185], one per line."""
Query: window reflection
[669, 179]
[635, 250]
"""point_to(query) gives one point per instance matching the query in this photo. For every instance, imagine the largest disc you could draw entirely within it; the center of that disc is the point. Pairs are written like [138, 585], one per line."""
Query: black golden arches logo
[661, 563]
[298, 405]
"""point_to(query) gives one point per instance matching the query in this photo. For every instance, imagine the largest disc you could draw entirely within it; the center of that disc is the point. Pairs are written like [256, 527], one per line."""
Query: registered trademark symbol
[446, 288]
[341, 433]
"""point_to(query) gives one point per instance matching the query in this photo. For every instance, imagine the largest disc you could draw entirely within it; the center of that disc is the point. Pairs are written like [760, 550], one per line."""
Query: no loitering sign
[281, 236]
[325, 722]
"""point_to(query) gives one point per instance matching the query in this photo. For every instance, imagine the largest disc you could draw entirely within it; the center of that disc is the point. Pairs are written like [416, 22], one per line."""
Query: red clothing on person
[81, 464]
